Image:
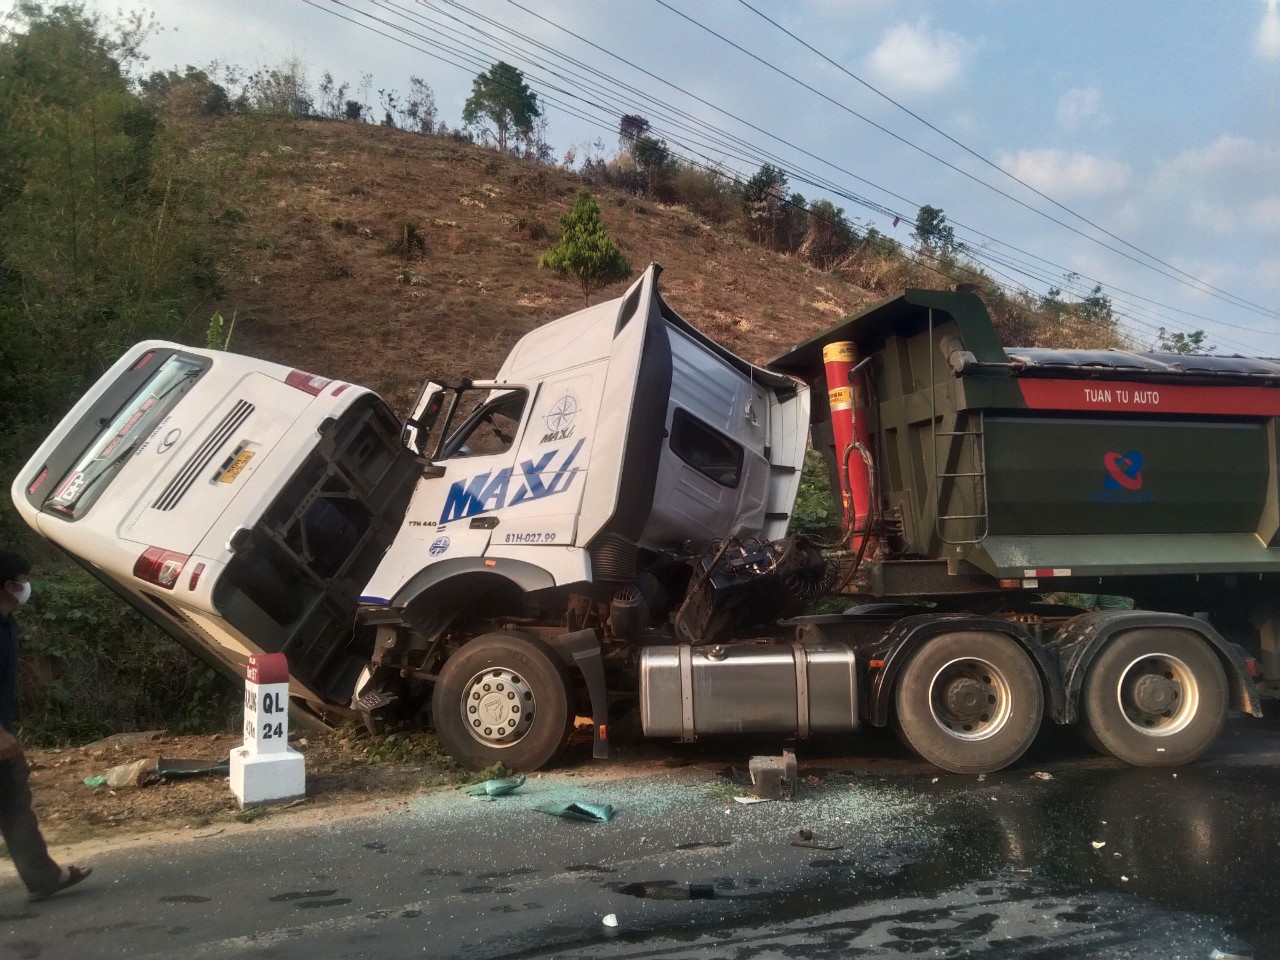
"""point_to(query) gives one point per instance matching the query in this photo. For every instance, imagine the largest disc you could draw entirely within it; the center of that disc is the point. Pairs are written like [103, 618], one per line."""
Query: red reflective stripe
[1133, 397]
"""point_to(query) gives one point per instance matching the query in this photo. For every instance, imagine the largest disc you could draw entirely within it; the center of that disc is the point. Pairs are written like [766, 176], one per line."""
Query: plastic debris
[1099, 844]
[172, 769]
[1043, 775]
[577, 810]
[139, 773]
[491, 789]
[752, 799]
[804, 837]
[610, 920]
[1220, 955]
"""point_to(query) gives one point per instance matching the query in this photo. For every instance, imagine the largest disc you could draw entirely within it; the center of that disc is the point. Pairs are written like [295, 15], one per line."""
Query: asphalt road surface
[1095, 859]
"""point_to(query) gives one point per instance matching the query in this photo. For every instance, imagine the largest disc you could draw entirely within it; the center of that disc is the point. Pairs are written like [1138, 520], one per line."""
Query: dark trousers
[20, 829]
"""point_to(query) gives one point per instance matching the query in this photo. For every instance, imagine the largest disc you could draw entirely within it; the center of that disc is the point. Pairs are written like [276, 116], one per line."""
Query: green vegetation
[586, 250]
[502, 102]
[90, 667]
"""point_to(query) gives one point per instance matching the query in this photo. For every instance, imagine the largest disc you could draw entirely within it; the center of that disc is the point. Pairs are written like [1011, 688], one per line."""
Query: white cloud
[1226, 188]
[1062, 174]
[918, 59]
[1078, 105]
[1268, 41]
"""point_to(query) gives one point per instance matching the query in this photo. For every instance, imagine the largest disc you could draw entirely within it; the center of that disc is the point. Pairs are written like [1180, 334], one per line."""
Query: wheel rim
[1158, 695]
[497, 707]
[970, 698]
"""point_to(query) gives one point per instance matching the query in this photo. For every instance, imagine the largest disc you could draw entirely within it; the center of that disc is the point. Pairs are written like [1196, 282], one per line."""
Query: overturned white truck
[603, 527]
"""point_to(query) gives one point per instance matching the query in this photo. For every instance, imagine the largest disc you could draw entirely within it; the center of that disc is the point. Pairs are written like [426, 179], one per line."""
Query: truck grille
[177, 488]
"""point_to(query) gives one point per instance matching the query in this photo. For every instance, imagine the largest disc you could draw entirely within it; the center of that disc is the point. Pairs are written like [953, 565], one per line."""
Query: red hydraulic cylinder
[851, 430]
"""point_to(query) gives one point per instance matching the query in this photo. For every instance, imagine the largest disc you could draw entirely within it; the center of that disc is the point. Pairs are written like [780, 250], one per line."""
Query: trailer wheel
[1154, 698]
[969, 702]
[502, 698]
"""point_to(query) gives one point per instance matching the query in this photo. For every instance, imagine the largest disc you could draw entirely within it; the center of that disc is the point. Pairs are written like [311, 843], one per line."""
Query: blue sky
[1149, 128]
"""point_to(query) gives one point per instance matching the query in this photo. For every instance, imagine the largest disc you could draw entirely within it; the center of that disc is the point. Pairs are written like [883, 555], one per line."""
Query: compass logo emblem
[560, 418]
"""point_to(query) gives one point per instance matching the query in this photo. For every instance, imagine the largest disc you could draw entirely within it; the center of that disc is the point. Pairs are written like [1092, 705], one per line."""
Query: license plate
[242, 458]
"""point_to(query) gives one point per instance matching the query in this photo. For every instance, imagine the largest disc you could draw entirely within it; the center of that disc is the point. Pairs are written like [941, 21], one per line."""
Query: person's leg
[21, 830]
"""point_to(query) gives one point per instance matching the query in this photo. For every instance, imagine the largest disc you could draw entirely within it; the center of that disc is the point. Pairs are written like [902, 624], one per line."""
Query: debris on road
[774, 778]
[577, 810]
[803, 837]
[492, 789]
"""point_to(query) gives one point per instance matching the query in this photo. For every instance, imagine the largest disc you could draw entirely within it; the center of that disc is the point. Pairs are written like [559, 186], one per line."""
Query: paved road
[1101, 860]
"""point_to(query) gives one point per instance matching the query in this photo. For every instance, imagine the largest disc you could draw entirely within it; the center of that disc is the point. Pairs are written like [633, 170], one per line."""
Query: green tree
[97, 247]
[501, 97]
[933, 233]
[631, 127]
[1175, 341]
[586, 250]
[653, 163]
[764, 200]
[1096, 308]
[828, 237]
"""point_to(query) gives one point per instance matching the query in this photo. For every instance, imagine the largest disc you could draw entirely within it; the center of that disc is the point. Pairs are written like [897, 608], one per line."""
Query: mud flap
[581, 649]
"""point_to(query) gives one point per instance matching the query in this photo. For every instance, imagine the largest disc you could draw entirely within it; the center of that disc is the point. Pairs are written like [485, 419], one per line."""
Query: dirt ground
[342, 771]
[347, 774]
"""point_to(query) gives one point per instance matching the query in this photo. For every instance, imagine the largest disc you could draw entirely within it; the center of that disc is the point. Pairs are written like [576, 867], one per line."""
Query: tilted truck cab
[602, 527]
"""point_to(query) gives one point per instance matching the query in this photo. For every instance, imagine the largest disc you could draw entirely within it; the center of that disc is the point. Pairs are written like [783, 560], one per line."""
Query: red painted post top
[268, 668]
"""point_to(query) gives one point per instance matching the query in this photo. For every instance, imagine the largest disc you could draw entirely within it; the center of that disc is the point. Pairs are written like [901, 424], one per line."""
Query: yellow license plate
[242, 458]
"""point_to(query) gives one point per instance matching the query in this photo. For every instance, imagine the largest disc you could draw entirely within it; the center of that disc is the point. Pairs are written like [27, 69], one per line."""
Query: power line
[990, 163]
[1220, 295]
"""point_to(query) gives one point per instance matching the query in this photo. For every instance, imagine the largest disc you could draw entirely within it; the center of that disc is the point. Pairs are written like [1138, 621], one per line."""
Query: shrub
[91, 666]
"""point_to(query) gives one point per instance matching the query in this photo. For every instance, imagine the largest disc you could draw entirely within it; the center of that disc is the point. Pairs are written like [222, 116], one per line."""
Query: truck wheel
[1154, 698]
[502, 698]
[969, 702]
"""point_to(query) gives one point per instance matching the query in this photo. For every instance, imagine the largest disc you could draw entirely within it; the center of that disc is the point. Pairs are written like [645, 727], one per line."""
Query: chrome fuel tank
[795, 688]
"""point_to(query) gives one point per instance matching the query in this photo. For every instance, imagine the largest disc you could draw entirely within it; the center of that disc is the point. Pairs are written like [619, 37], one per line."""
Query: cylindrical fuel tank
[796, 688]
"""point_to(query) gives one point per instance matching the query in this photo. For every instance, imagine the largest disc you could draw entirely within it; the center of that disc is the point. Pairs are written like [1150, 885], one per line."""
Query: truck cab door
[468, 445]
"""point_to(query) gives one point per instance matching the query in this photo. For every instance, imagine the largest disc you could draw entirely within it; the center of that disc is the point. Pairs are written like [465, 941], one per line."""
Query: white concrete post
[266, 768]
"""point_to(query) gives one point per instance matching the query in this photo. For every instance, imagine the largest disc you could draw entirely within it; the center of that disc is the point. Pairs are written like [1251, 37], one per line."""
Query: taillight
[339, 388]
[160, 567]
[143, 360]
[307, 382]
[195, 576]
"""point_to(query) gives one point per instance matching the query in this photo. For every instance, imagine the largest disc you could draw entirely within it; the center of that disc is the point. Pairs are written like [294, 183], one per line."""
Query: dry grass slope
[324, 279]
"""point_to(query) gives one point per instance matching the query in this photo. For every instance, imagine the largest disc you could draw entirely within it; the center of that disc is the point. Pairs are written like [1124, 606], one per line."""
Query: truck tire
[502, 698]
[969, 702]
[1154, 698]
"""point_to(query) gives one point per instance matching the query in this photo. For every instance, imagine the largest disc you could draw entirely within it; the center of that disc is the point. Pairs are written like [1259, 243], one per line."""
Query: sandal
[74, 876]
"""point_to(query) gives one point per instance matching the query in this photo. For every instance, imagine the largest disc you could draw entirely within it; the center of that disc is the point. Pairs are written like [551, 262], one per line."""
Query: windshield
[121, 435]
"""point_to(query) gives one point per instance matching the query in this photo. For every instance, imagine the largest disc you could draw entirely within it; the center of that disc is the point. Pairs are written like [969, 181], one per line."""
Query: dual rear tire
[1154, 698]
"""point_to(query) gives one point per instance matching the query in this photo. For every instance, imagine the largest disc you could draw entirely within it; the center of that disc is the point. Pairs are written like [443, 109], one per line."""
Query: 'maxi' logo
[1124, 471]
[489, 491]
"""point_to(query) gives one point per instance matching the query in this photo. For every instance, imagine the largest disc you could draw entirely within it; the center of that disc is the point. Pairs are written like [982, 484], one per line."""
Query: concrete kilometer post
[266, 769]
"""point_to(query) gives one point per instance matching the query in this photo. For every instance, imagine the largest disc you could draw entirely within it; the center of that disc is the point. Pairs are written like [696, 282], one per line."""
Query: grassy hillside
[319, 273]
